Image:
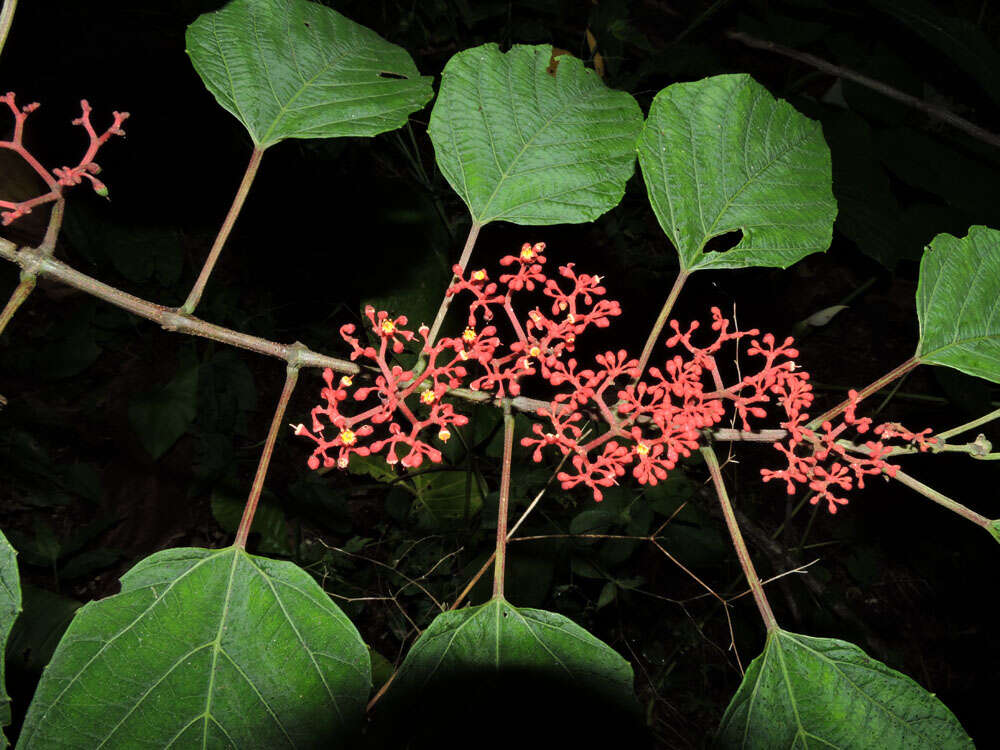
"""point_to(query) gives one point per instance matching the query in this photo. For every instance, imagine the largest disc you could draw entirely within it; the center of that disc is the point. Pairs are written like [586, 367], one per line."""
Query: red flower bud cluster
[59, 177]
[393, 388]
[649, 425]
[827, 466]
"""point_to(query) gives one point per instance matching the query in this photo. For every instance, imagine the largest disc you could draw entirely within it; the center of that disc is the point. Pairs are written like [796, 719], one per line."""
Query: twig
[36, 262]
[932, 110]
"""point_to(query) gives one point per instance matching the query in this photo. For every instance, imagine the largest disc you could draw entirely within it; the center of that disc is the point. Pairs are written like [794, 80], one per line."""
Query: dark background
[331, 225]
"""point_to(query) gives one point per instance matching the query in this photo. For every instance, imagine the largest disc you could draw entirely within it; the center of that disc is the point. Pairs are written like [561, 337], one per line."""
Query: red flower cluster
[824, 478]
[650, 424]
[60, 176]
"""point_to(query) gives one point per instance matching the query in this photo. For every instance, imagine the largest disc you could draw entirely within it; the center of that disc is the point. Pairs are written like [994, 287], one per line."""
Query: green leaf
[39, 628]
[805, 692]
[870, 216]
[10, 608]
[958, 303]
[956, 38]
[161, 417]
[496, 659]
[208, 648]
[296, 69]
[994, 529]
[521, 144]
[446, 497]
[722, 155]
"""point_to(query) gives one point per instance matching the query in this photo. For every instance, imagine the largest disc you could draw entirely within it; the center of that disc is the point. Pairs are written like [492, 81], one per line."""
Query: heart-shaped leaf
[207, 648]
[444, 498]
[495, 659]
[162, 416]
[531, 140]
[805, 692]
[722, 155]
[10, 607]
[296, 69]
[958, 303]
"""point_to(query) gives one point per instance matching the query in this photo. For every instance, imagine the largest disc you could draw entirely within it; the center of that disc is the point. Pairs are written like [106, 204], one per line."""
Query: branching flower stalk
[60, 177]
[650, 425]
[56, 180]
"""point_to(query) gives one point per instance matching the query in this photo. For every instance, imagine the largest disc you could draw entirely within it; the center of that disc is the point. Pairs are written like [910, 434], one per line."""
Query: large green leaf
[446, 497]
[10, 607]
[958, 303]
[206, 648]
[296, 69]
[160, 417]
[869, 213]
[805, 692]
[957, 39]
[722, 155]
[497, 660]
[520, 142]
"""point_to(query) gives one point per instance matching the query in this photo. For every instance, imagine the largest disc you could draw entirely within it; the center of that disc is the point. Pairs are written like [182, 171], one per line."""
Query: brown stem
[501, 548]
[35, 262]
[292, 375]
[470, 242]
[932, 110]
[742, 554]
[6, 19]
[868, 390]
[17, 298]
[234, 210]
[942, 500]
[661, 320]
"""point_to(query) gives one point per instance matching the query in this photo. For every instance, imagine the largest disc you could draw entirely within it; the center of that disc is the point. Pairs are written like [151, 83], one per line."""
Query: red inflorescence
[650, 424]
[59, 177]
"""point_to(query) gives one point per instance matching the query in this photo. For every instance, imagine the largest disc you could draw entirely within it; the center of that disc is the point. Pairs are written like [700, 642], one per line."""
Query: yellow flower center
[342, 463]
[479, 275]
[463, 355]
[534, 351]
[347, 437]
[346, 381]
[469, 334]
[642, 449]
[427, 397]
[444, 435]
[527, 253]
[388, 327]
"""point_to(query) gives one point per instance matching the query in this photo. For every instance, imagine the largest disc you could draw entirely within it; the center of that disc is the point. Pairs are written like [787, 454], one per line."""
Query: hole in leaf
[386, 74]
[307, 25]
[724, 242]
